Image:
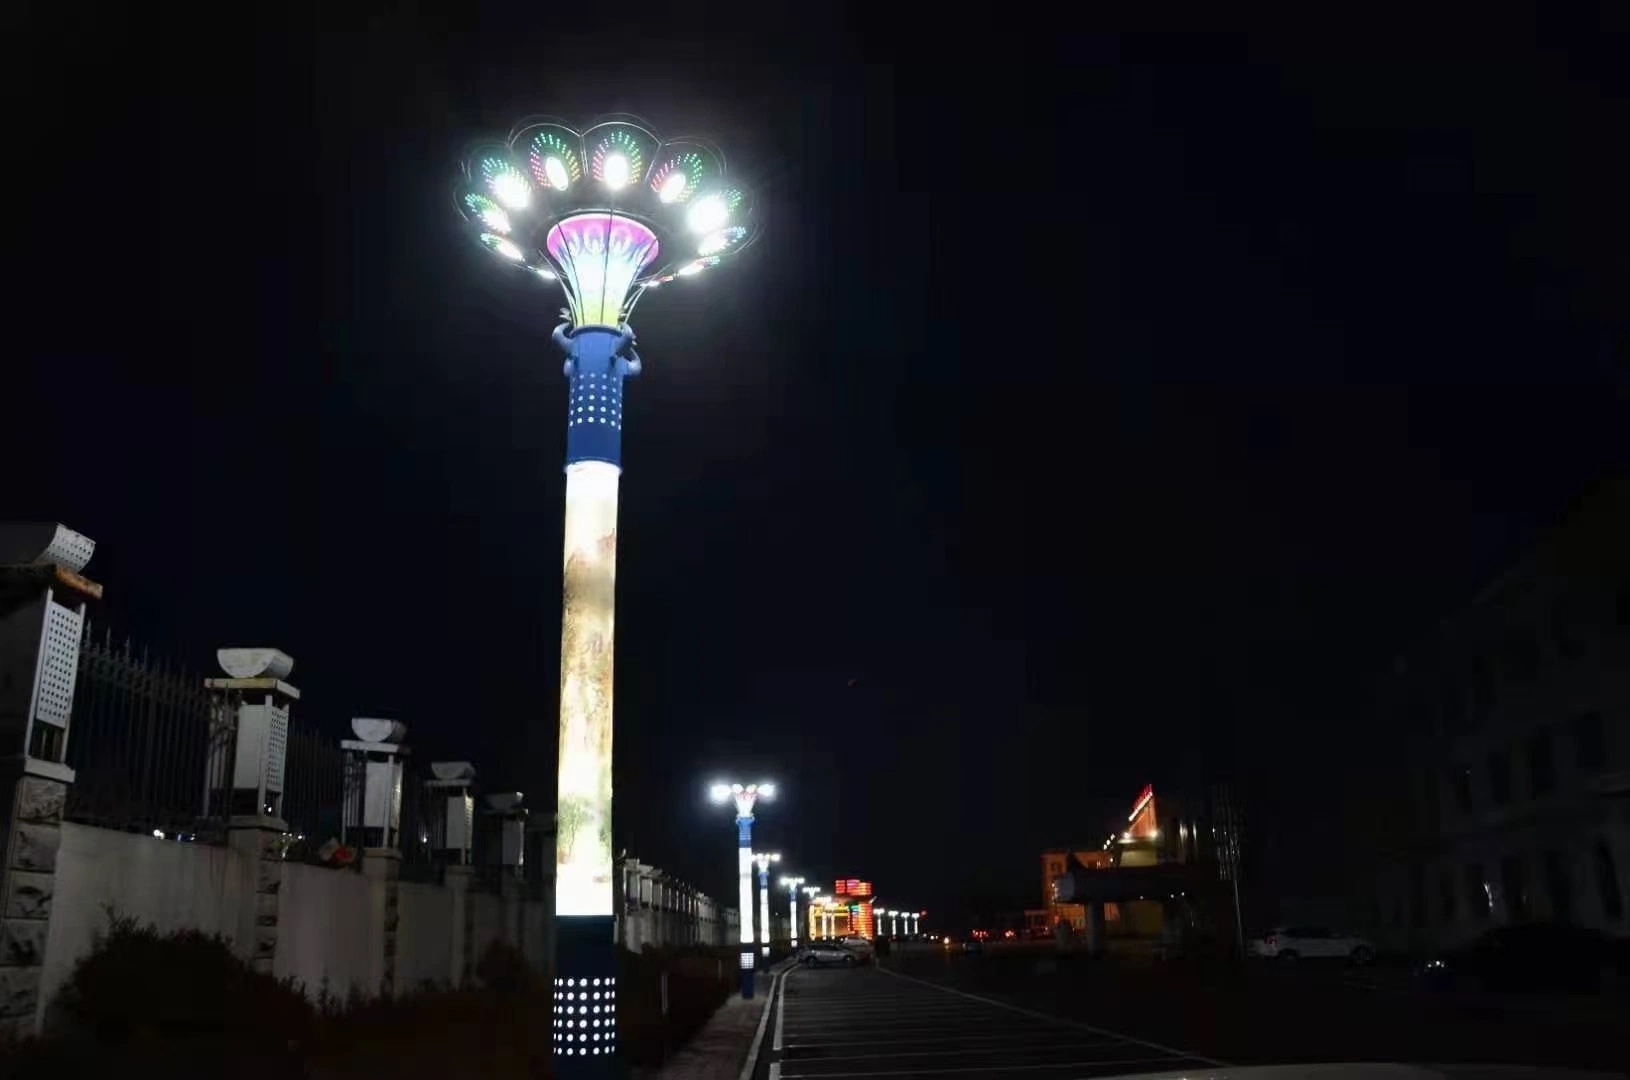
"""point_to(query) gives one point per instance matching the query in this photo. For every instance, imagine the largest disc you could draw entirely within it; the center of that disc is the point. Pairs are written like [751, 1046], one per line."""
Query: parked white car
[828, 952]
[860, 946]
[1288, 944]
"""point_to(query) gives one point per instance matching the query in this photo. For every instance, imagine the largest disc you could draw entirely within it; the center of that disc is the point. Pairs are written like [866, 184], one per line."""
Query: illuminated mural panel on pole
[583, 870]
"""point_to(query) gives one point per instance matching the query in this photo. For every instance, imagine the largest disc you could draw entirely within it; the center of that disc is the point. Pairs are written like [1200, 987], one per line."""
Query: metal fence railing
[139, 742]
[314, 785]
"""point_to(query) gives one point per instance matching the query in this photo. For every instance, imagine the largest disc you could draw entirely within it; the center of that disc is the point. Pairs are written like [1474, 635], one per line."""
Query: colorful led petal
[491, 214]
[707, 215]
[614, 144]
[507, 183]
[677, 179]
[554, 161]
[503, 246]
[714, 243]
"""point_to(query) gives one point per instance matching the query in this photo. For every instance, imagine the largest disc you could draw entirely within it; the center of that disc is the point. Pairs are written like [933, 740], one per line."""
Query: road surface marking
[751, 1063]
[1061, 1021]
[1018, 1036]
[780, 1011]
[942, 1053]
[992, 1068]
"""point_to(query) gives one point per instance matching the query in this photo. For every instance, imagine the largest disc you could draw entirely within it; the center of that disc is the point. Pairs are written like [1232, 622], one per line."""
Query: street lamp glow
[673, 188]
[600, 257]
[554, 172]
[504, 247]
[708, 214]
[614, 174]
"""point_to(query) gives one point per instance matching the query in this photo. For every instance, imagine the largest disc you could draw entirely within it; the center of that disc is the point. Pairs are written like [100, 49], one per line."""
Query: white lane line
[1007, 1035]
[775, 1070]
[942, 1019]
[1000, 1069]
[1061, 1021]
[780, 1012]
[824, 1058]
[992, 1024]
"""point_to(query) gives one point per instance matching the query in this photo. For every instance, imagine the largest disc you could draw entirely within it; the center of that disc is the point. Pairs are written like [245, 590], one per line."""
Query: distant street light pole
[603, 215]
[764, 859]
[744, 798]
[792, 884]
[810, 893]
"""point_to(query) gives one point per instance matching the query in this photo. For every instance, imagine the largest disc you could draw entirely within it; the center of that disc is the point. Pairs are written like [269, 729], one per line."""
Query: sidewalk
[720, 1049]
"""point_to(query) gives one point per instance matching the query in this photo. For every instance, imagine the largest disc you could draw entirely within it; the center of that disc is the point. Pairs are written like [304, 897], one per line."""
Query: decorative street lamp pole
[810, 893]
[602, 214]
[764, 859]
[792, 884]
[744, 798]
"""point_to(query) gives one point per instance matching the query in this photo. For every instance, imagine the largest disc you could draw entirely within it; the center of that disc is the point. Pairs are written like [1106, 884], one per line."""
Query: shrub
[137, 985]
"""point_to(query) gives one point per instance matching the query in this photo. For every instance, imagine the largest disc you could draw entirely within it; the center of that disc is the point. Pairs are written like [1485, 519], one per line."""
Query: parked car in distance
[1532, 956]
[861, 947]
[819, 953]
[1289, 944]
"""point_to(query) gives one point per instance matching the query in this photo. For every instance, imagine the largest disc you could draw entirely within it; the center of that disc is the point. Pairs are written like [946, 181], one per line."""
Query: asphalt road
[873, 1022]
[1256, 1016]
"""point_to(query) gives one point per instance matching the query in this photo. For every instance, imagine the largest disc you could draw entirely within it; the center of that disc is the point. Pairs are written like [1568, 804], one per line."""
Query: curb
[777, 980]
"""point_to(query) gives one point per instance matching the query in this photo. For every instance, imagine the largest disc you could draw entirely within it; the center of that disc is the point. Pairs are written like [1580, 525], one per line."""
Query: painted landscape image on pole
[583, 877]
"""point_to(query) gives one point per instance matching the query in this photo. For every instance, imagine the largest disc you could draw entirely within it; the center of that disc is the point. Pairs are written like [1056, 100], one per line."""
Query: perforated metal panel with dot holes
[59, 664]
[69, 550]
[277, 747]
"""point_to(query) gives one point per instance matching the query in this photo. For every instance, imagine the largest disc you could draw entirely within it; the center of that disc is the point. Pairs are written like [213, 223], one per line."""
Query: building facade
[1510, 801]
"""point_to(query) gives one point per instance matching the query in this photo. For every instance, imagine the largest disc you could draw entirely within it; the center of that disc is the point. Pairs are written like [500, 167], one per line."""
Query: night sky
[1095, 410]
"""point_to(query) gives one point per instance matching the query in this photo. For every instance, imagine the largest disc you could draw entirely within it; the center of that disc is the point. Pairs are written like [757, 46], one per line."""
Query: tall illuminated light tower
[791, 884]
[764, 859]
[603, 215]
[745, 797]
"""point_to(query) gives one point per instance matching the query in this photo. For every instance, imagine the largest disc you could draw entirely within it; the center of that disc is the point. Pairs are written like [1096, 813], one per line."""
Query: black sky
[1096, 409]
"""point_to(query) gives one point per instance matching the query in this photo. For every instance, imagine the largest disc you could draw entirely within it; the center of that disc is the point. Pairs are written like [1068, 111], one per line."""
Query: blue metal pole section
[744, 860]
[598, 359]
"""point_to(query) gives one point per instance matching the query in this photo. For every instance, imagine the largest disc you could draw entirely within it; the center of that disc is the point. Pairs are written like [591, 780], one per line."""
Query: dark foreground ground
[1262, 1015]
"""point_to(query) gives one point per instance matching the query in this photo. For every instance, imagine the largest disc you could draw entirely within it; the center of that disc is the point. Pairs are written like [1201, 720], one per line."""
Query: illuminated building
[745, 797]
[603, 215]
[1054, 865]
[855, 900]
[1151, 878]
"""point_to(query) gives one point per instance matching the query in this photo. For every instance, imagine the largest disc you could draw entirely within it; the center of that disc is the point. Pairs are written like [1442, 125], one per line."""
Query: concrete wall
[169, 884]
[424, 935]
[329, 922]
[323, 930]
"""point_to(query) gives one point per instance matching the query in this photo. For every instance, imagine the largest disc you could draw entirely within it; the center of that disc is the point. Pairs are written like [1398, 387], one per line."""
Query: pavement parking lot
[870, 1022]
[1263, 1015]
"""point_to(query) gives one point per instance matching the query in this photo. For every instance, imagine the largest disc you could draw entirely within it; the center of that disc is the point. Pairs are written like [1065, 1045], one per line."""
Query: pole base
[585, 1032]
[747, 975]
